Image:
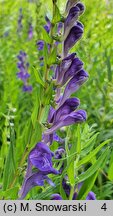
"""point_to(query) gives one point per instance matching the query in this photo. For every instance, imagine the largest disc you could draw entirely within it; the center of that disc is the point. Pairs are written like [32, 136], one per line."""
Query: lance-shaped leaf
[74, 84]
[74, 35]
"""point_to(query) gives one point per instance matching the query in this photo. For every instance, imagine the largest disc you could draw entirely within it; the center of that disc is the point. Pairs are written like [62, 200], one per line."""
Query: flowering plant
[67, 77]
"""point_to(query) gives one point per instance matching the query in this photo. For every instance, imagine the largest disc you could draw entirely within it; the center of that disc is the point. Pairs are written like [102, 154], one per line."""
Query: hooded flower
[62, 112]
[63, 67]
[72, 118]
[70, 105]
[70, 4]
[91, 196]
[81, 8]
[59, 152]
[71, 20]
[35, 179]
[56, 197]
[74, 84]
[41, 158]
[74, 35]
[75, 67]
[70, 72]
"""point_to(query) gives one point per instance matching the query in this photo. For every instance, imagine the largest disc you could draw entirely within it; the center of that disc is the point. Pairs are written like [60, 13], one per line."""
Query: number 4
[104, 207]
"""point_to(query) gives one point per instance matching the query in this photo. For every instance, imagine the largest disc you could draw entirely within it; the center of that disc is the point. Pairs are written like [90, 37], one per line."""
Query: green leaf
[9, 167]
[91, 140]
[10, 194]
[87, 186]
[56, 14]
[35, 111]
[45, 36]
[44, 114]
[36, 134]
[48, 95]
[52, 58]
[92, 154]
[98, 164]
[78, 140]
[38, 77]
[45, 51]
[110, 170]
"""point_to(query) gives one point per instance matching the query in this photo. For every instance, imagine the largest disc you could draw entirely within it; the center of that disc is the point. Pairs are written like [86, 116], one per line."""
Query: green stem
[71, 192]
[25, 154]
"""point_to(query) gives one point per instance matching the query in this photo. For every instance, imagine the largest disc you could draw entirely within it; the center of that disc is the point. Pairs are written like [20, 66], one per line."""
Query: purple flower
[58, 139]
[56, 197]
[70, 20]
[22, 57]
[75, 67]
[30, 32]
[59, 28]
[66, 187]
[70, 4]
[58, 117]
[72, 118]
[27, 88]
[50, 115]
[23, 76]
[70, 105]
[59, 152]
[20, 18]
[23, 71]
[40, 45]
[35, 179]
[41, 158]
[63, 67]
[52, 137]
[74, 84]
[47, 27]
[81, 8]
[91, 196]
[74, 35]
[70, 72]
